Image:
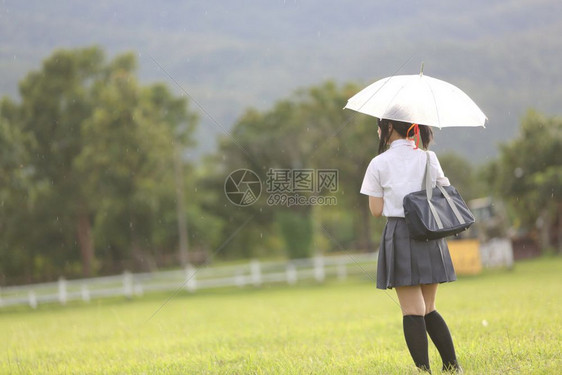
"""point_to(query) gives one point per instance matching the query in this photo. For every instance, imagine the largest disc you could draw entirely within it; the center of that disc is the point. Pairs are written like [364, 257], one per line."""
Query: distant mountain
[232, 55]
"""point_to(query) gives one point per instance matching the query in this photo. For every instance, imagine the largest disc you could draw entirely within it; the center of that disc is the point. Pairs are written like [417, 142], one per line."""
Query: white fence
[254, 273]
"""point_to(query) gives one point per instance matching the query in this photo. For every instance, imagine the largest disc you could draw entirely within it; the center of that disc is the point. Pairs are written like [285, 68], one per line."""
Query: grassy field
[503, 322]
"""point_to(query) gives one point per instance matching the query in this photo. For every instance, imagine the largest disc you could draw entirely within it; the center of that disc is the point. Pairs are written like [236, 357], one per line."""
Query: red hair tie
[415, 136]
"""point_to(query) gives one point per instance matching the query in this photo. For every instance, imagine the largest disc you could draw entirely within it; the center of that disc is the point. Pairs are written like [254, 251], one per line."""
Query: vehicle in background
[487, 243]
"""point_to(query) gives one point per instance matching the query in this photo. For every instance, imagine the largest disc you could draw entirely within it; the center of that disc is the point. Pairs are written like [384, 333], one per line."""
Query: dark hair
[426, 134]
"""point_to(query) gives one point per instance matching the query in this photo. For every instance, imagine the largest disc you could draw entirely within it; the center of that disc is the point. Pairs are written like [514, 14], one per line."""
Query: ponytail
[426, 135]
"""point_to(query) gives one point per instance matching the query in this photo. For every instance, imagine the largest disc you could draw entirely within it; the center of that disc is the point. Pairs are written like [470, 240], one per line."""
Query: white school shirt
[399, 171]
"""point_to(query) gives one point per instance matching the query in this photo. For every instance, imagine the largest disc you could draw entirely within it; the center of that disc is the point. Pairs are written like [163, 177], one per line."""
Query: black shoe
[453, 368]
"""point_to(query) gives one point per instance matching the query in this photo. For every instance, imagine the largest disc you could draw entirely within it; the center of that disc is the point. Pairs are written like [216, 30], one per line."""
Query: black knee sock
[416, 339]
[441, 337]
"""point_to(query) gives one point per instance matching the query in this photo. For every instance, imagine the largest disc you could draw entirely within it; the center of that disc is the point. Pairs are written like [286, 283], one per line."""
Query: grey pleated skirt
[404, 261]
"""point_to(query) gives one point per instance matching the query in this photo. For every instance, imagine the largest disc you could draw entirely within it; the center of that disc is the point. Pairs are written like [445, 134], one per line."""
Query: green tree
[310, 130]
[16, 193]
[528, 175]
[98, 162]
[128, 162]
[347, 141]
[54, 100]
[461, 174]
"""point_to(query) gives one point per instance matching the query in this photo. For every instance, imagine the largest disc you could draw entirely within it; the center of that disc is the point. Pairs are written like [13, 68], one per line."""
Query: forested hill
[232, 55]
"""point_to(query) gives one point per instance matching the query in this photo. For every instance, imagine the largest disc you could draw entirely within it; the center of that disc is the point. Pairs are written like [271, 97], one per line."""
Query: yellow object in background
[466, 256]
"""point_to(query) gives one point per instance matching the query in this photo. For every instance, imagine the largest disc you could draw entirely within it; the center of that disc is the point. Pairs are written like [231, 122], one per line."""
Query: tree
[54, 101]
[128, 163]
[528, 175]
[462, 175]
[98, 161]
[311, 131]
[16, 192]
[347, 141]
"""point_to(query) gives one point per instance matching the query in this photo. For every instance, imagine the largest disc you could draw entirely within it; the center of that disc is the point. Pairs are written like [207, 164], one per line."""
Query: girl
[413, 268]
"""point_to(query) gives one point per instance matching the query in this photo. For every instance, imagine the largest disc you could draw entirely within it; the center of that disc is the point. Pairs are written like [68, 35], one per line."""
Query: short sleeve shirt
[397, 172]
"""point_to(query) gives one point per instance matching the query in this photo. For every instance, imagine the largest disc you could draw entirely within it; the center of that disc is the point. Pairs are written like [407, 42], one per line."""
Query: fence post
[319, 272]
[190, 280]
[32, 299]
[342, 270]
[139, 291]
[127, 284]
[255, 271]
[291, 273]
[85, 292]
[62, 291]
[240, 279]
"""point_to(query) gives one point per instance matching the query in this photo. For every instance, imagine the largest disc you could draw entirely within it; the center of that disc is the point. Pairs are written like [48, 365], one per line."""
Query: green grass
[336, 328]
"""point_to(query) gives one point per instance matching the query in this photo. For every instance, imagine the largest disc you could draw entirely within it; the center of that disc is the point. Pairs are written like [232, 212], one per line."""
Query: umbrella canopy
[418, 99]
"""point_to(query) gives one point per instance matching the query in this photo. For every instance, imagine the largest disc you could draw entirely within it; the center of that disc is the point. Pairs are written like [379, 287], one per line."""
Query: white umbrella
[418, 99]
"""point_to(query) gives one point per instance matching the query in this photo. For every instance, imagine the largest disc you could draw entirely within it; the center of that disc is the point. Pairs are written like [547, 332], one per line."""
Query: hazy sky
[233, 55]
